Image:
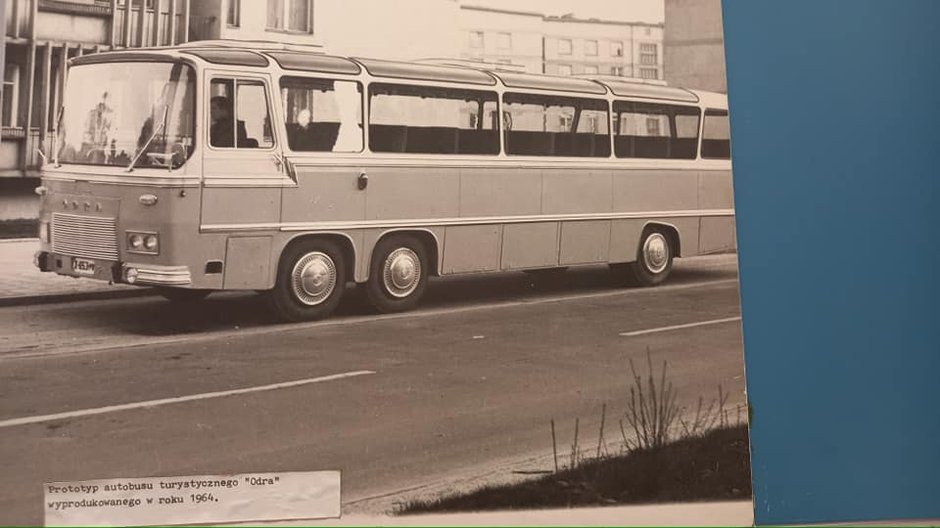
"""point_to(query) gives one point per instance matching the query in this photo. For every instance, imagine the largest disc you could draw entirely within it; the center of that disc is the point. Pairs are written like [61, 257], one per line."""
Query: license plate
[83, 266]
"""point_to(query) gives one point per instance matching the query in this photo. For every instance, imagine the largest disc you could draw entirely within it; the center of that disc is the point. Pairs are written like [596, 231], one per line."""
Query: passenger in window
[222, 129]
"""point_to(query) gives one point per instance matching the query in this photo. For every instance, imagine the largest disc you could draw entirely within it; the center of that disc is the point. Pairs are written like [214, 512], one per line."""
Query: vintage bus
[217, 166]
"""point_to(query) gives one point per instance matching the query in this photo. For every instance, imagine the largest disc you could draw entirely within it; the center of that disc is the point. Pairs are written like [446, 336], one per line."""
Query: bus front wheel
[653, 260]
[310, 282]
[399, 274]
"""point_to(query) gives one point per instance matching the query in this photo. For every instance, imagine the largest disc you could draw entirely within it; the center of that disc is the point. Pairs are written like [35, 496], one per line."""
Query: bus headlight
[145, 243]
[150, 242]
[44, 232]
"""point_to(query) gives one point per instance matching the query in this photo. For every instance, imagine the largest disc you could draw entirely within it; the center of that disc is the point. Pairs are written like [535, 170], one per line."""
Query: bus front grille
[91, 237]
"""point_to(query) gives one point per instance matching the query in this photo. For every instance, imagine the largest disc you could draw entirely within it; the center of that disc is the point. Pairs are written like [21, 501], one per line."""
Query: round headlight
[136, 241]
[150, 242]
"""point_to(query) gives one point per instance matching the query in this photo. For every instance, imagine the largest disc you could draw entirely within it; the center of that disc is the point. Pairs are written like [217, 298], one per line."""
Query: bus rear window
[431, 120]
[716, 138]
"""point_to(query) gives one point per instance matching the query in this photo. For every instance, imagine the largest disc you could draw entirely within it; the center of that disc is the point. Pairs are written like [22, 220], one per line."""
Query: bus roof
[291, 58]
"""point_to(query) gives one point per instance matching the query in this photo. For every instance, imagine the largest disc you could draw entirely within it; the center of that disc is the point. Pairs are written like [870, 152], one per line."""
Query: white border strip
[166, 401]
[679, 327]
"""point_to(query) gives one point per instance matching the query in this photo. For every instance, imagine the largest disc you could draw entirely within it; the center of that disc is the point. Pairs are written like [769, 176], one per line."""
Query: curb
[26, 300]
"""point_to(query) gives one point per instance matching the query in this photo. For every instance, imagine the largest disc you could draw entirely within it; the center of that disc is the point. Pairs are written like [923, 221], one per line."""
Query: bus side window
[646, 130]
[716, 138]
[322, 115]
[431, 120]
[544, 125]
[238, 112]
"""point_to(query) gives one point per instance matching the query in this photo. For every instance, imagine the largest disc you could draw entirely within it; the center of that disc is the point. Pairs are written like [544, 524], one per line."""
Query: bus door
[243, 165]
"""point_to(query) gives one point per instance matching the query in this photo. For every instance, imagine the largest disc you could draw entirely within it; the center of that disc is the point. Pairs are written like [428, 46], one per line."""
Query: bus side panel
[324, 194]
[572, 191]
[584, 242]
[397, 193]
[471, 249]
[652, 190]
[624, 239]
[499, 192]
[717, 234]
[688, 228]
[527, 246]
[247, 261]
[715, 190]
[716, 193]
[241, 205]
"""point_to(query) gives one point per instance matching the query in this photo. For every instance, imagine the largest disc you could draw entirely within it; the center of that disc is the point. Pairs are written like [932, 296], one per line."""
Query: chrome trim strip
[483, 220]
[160, 275]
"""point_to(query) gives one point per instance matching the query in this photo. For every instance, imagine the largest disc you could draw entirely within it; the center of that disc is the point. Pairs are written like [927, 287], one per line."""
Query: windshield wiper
[166, 111]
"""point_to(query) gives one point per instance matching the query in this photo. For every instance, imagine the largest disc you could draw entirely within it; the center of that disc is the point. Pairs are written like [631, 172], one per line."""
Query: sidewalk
[23, 283]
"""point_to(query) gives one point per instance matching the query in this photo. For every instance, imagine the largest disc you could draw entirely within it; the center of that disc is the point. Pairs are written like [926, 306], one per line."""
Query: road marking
[180, 399]
[679, 327]
[290, 327]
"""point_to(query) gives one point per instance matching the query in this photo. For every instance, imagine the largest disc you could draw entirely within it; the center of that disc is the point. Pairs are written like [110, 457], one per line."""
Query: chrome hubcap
[656, 253]
[313, 278]
[401, 272]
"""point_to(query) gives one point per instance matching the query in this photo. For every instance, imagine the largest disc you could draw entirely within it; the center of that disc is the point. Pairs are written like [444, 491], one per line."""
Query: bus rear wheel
[653, 260]
[311, 279]
[398, 275]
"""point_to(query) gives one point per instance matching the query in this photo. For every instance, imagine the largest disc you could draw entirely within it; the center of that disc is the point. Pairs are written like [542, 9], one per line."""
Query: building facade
[694, 45]
[562, 45]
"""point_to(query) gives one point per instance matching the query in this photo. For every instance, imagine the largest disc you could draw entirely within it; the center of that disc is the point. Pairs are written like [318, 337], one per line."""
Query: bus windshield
[131, 114]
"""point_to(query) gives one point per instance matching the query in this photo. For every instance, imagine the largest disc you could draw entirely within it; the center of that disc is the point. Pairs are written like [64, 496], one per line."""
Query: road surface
[468, 382]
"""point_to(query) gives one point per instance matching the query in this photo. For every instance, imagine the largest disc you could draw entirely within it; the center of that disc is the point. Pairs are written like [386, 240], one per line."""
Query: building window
[564, 46]
[504, 41]
[11, 83]
[290, 15]
[616, 49]
[649, 54]
[589, 69]
[649, 73]
[564, 69]
[476, 39]
[234, 13]
[590, 47]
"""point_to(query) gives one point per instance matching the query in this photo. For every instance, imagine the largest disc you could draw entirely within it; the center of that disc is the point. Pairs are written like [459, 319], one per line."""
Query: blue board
[835, 116]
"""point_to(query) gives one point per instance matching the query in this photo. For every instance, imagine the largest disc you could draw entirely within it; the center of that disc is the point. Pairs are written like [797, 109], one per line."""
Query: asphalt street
[467, 383]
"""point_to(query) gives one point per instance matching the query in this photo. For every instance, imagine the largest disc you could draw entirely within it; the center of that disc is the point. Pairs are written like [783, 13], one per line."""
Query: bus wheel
[182, 295]
[653, 259]
[399, 274]
[310, 282]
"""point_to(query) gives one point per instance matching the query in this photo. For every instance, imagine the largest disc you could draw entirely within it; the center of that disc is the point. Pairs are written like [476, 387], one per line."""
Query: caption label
[193, 500]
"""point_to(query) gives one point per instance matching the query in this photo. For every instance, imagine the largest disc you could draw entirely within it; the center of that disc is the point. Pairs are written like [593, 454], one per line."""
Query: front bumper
[115, 272]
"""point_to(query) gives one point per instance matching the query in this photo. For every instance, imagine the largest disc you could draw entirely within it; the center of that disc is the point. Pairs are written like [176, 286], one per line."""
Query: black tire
[311, 280]
[653, 263]
[182, 295]
[399, 273]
